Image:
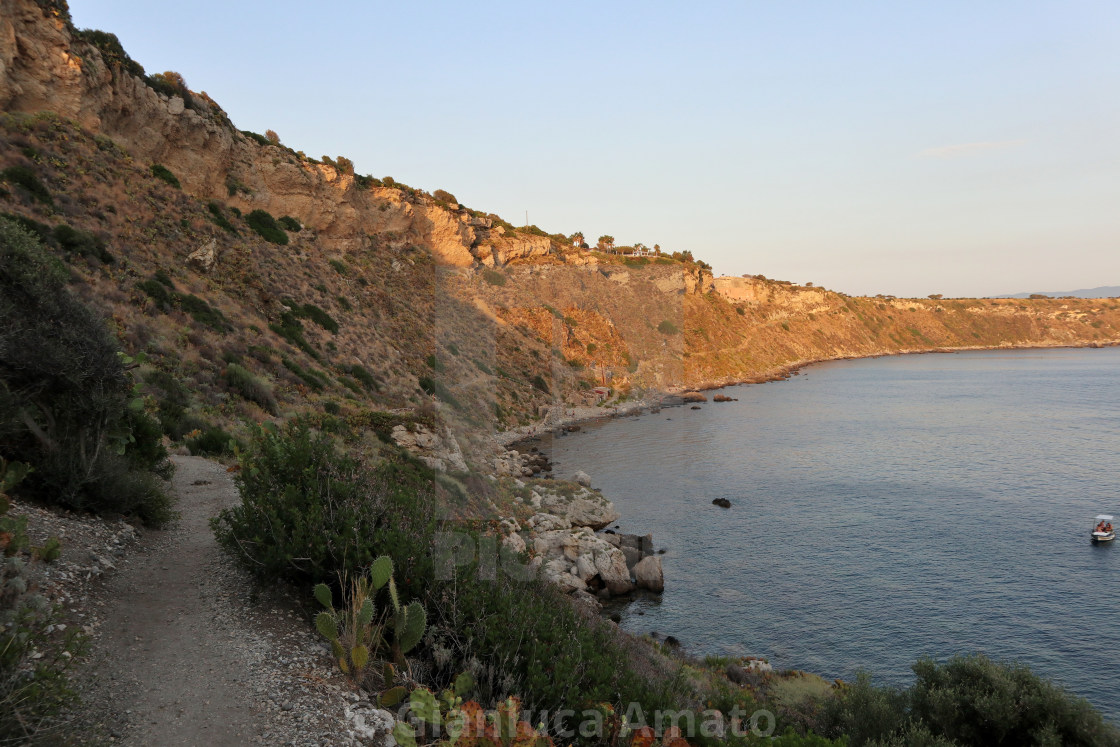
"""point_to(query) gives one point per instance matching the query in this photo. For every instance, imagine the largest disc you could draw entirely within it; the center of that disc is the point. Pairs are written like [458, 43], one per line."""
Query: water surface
[883, 510]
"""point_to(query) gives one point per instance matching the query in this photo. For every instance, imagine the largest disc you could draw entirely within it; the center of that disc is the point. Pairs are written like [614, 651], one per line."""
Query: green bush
[969, 700]
[256, 137]
[111, 50]
[172, 399]
[66, 402]
[541, 384]
[204, 313]
[41, 231]
[360, 373]
[315, 314]
[240, 380]
[291, 329]
[526, 637]
[220, 218]
[213, 441]
[25, 177]
[171, 83]
[668, 328]
[265, 225]
[82, 243]
[313, 379]
[289, 223]
[309, 512]
[159, 294]
[494, 277]
[160, 171]
[974, 700]
[339, 267]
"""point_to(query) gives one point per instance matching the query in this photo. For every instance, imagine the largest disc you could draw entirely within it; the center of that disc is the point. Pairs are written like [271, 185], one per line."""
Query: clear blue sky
[872, 147]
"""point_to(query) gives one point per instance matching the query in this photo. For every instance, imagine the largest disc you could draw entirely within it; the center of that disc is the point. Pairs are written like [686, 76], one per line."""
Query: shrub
[667, 328]
[160, 171]
[219, 217]
[968, 700]
[257, 137]
[66, 405]
[974, 700]
[213, 441]
[157, 292]
[541, 384]
[543, 648]
[444, 196]
[28, 180]
[41, 231]
[82, 243]
[204, 313]
[313, 379]
[339, 267]
[243, 382]
[309, 512]
[317, 315]
[493, 277]
[111, 50]
[265, 225]
[289, 223]
[291, 329]
[360, 373]
[171, 83]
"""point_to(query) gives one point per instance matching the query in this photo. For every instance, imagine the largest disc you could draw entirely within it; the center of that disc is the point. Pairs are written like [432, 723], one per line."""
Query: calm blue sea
[883, 510]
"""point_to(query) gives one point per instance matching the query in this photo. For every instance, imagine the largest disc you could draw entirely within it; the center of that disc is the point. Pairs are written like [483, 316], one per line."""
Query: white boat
[1102, 529]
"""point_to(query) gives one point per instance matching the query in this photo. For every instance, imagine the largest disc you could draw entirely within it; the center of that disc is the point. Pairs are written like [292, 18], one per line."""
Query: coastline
[579, 415]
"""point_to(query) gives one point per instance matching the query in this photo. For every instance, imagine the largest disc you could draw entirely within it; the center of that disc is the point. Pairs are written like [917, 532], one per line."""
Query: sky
[911, 148]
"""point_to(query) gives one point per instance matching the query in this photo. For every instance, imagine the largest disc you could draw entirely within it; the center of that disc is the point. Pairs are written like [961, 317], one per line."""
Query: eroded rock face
[42, 68]
[441, 452]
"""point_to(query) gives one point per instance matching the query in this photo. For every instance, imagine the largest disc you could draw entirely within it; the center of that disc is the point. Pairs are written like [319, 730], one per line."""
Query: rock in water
[649, 575]
[582, 478]
[722, 503]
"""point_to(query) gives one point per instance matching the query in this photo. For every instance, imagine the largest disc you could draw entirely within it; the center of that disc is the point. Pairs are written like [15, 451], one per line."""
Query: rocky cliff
[384, 296]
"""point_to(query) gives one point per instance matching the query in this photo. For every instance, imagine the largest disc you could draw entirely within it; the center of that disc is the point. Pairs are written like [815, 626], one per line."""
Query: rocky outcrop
[441, 452]
[579, 559]
[583, 509]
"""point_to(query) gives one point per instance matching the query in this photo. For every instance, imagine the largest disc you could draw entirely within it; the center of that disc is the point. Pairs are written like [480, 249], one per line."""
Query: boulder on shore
[693, 397]
[649, 575]
[582, 478]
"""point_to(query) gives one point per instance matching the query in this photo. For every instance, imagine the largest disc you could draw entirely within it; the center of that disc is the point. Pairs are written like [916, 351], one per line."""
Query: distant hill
[1105, 291]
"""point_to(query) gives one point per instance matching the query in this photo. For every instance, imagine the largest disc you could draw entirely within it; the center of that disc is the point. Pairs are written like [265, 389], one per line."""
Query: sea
[883, 510]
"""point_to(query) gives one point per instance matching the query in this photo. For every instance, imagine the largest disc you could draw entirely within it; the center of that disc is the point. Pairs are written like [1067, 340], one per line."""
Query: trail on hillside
[185, 654]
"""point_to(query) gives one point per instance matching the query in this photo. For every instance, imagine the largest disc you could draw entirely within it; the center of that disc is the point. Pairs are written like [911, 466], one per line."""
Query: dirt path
[184, 651]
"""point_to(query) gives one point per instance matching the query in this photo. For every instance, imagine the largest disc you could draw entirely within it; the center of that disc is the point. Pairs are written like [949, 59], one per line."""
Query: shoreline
[656, 398]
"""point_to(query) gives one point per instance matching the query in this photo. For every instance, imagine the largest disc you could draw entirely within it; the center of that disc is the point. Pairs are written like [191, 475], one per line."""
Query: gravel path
[188, 649]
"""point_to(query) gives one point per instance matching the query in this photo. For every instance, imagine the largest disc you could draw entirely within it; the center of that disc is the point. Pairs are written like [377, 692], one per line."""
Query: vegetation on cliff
[300, 345]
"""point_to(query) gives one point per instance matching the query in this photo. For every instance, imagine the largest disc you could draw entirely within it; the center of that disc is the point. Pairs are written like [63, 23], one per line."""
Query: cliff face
[434, 303]
[46, 66]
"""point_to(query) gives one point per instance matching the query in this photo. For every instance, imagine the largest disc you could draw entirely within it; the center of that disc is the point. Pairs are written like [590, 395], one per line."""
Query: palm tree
[606, 243]
[577, 238]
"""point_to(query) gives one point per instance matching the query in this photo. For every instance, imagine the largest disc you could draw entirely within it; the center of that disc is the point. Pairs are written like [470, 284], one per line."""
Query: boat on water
[1102, 530]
